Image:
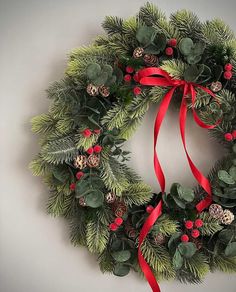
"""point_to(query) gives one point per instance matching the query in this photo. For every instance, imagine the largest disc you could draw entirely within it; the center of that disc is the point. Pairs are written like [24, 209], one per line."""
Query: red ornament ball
[228, 75]
[118, 221]
[97, 148]
[149, 209]
[198, 223]
[195, 233]
[184, 238]
[228, 67]
[172, 42]
[127, 78]
[234, 134]
[87, 133]
[97, 131]
[79, 174]
[90, 150]
[169, 51]
[72, 186]
[113, 227]
[136, 77]
[188, 224]
[129, 69]
[228, 137]
[137, 90]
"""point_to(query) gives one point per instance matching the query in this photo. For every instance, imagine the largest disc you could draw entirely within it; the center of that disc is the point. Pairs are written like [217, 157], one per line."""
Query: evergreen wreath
[99, 104]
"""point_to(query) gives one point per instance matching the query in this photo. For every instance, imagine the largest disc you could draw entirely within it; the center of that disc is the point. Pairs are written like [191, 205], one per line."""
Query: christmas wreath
[107, 89]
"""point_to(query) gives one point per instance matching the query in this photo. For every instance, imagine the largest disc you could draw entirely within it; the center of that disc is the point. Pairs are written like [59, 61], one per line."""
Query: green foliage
[39, 167]
[106, 262]
[43, 124]
[59, 203]
[165, 225]
[137, 194]
[59, 151]
[175, 68]
[113, 25]
[150, 14]
[115, 117]
[210, 226]
[224, 264]
[97, 236]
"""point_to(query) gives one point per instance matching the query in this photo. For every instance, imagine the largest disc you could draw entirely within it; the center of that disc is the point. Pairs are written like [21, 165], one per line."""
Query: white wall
[35, 37]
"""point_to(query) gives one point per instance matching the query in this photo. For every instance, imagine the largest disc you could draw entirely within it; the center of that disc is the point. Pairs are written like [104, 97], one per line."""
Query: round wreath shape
[107, 89]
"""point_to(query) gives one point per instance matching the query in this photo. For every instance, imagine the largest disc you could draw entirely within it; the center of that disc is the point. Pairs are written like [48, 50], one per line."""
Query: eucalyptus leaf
[87, 185]
[145, 34]
[94, 199]
[225, 177]
[93, 70]
[185, 46]
[178, 260]
[230, 250]
[187, 249]
[185, 194]
[121, 270]
[121, 256]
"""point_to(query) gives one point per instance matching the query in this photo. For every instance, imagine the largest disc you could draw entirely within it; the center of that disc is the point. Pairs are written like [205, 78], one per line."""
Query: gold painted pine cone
[80, 162]
[138, 52]
[227, 218]
[92, 90]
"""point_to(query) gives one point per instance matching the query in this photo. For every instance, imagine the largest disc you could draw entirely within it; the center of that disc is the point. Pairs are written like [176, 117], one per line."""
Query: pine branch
[137, 194]
[78, 228]
[83, 142]
[59, 203]
[175, 68]
[165, 226]
[97, 236]
[210, 226]
[106, 262]
[59, 151]
[157, 93]
[113, 25]
[43, 124]
[39, 167]
[224, 264]
[150, 15]
[115, 117]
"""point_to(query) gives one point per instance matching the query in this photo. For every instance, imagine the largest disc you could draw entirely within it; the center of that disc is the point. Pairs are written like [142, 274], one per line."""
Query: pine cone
[92, 90]
[104, 91]
[93, 160]
[138, 52]
[119, 208]
[150, 59]
[130, 231]
[80, 161]
[227, 218]
[216, 86]
[159, 239]
[110, 198]
[82, 202]
[216, 211]
[198, 243]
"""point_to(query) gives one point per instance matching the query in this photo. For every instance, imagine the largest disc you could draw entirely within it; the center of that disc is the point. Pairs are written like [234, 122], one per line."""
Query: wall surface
[35, 37]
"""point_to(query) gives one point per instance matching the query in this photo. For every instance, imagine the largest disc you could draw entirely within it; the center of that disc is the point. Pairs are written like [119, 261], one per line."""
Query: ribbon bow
[163, 79]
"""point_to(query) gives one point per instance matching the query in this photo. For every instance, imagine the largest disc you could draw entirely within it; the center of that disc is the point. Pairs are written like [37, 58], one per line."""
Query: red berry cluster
[87, 132]
[193, 227]
[128, 77]
[228, 71]
[230, 136]
[95, 149]
[116, 224]
[171, 44]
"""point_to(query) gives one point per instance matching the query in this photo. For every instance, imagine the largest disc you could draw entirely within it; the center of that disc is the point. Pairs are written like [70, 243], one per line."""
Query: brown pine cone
[216, 211]
[92, 90]
[93, 160]
[80, 162]
[119, 208]
[138, 52]
[110, 197]
[159, 239]
[150, 59]
[104, 91]
[216, 86]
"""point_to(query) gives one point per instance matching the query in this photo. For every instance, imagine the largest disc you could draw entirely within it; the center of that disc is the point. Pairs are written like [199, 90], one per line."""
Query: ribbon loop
[163, 79]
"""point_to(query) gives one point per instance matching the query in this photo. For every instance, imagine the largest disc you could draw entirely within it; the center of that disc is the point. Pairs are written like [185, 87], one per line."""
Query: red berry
[228, 75]
[113, 227]
[90, 150]
[129, 69]
[198, 223]
[228, 137]
[188, 224]
[137, 90]
[97, 148]
[87, 133]
[118, 221]
[136, 77]
[72, 186]
[97, 131]
[184, 238]
[169, 51]
[79, 174]
[228, 67]
[149, 209]
[127, 78]
[234, 134]
[195, 233]
[172, 42]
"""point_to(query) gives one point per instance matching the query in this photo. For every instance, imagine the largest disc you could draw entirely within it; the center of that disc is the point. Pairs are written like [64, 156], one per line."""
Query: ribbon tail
[156, 213]
[202, 180]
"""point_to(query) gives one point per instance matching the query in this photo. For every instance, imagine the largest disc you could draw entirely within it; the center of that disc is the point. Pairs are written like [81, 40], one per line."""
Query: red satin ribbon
[163, 79]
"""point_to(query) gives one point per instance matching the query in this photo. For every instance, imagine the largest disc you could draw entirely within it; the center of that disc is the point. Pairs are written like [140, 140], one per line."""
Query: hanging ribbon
[163, 79]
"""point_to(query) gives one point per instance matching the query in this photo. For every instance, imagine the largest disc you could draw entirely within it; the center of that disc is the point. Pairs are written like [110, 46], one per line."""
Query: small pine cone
[216, 86]
[93, 160]
[110, 197]
[82, 202]
[159, 239]
[130, 231]
[227, 218]
[104, 91]
[92, 90]
[216, 211]
[138, 52]
[80, 161]
[119, 209]
[198, 243]
[150, 59]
